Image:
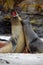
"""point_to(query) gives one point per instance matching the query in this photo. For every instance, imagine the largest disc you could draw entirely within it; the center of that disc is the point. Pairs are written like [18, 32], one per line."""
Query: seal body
[18, 35]
[33, 42]
[15, 43]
